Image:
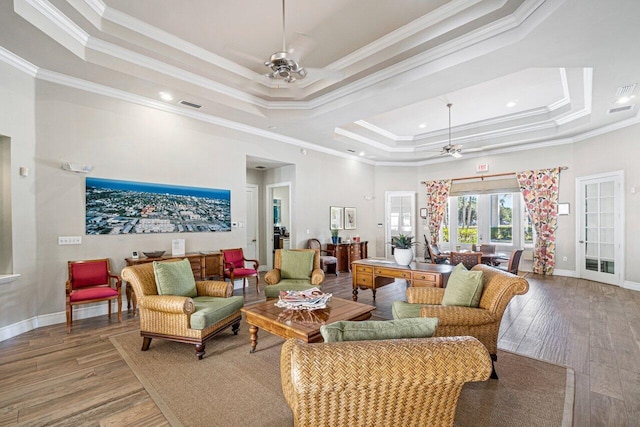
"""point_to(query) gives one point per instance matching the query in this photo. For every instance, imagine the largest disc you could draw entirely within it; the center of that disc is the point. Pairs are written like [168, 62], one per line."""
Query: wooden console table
[375, 273]
[347, 253]
[204, 267]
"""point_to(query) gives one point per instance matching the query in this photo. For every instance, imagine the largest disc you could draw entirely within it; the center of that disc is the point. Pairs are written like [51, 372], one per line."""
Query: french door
[400, 207]
[600, 225]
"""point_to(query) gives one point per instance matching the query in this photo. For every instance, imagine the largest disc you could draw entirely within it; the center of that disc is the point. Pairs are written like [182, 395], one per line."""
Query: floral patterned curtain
[540, 191]
[437, 197]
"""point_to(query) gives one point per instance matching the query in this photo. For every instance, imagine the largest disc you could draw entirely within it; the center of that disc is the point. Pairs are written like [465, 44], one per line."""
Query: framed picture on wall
[336, 220]
[349, 218]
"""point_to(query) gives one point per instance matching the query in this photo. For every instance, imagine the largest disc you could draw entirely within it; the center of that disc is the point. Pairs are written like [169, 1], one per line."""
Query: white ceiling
[379, 73]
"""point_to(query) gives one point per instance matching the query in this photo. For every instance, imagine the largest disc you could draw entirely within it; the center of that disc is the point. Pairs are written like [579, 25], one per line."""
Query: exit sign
[482, 168]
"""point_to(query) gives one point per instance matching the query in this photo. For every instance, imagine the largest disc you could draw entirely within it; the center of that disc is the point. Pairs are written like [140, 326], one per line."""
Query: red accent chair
[90, 282]
[234, 267]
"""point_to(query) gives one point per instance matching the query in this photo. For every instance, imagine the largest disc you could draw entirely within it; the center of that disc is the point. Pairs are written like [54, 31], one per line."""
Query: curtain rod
[482, 177]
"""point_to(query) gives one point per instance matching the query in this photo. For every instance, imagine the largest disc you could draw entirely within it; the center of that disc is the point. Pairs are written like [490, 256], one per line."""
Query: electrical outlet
[69, 240]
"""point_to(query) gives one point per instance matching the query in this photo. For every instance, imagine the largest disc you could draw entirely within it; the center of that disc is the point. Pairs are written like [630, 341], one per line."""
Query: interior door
[252, 251]
[400, 207]
[600, 223]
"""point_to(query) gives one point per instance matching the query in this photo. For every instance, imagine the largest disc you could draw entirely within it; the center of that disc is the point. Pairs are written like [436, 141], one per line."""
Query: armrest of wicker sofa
[214, 288]
[168, 304]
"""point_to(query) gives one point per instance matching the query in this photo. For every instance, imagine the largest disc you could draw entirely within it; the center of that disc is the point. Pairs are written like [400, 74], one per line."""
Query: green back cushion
[175, 278]
[296, 264]
[464, 287]
[421, 327]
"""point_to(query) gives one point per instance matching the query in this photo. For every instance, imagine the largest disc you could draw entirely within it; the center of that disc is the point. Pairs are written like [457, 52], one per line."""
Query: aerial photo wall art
[128, 207]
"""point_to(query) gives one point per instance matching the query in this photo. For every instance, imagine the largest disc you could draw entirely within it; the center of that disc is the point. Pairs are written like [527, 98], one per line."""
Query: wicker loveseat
[482, 322]
[180, 318]
[403, 382]
[276, 282]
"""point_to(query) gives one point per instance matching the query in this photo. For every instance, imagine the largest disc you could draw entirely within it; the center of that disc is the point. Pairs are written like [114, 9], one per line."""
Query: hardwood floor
[49, 377]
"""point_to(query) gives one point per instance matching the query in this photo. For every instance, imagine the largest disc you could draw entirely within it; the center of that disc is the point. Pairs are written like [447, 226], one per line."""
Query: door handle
[253, 240]
[580, 241]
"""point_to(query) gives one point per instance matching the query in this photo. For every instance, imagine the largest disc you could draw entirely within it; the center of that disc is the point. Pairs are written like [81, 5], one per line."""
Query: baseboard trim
[628, 284]
[567, 273]
[40, 321]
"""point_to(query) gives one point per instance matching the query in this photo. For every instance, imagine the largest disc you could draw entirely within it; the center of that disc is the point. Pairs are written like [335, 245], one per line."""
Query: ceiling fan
[282, 65]
[449, 149]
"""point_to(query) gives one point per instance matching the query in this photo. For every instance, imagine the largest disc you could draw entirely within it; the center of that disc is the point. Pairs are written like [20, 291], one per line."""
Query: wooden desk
[204, 267]
[347, 253]
[374, 273]
[303, 325]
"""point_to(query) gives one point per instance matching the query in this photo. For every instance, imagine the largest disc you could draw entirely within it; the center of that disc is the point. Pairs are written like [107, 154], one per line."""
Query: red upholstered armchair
[234, 267]
[90, 282]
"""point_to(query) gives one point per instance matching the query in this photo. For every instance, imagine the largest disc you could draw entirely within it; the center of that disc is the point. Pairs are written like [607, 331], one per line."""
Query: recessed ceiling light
[422, 125]
[624, 99]
[511, 104]
[166, 96]
[361, 153]
[273, 127]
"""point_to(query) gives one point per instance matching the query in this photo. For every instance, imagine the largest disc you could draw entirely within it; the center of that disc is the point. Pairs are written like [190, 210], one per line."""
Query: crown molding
[102, 11]
[17, 62]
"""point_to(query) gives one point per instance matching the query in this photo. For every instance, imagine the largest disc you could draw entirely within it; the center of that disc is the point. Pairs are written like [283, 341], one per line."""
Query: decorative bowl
[153, 254]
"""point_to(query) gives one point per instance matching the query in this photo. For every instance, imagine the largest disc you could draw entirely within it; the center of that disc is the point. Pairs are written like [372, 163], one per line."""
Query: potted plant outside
[402, 249]
[334, 235]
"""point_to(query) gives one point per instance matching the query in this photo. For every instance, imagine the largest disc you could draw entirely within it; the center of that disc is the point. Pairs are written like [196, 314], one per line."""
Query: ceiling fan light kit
[285, 68]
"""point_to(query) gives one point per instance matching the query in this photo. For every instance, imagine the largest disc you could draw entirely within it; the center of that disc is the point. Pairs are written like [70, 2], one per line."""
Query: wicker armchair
[406, 382]
[482, 322]
[169, 316]
[275, 283]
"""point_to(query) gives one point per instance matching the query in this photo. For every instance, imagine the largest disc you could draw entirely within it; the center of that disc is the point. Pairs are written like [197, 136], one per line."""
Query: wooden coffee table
[301, 324]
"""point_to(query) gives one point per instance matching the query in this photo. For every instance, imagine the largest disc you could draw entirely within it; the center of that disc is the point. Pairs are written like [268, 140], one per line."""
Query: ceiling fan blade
[325, 74]
[300, 45]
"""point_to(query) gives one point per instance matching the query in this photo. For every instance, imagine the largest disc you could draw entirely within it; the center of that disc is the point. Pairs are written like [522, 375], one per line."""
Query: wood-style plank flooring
[50, 378]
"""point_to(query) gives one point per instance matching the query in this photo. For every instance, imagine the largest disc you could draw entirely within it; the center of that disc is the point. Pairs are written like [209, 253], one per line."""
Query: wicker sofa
[403, 382]
[482, 322]
[171, 317]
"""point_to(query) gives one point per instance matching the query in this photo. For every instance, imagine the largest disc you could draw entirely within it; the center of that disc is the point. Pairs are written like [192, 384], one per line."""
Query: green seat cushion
[421, 327]
[464, 287]
[296, 264]
[273, 291]
[404, 310]
[175, 278]
[211, 310]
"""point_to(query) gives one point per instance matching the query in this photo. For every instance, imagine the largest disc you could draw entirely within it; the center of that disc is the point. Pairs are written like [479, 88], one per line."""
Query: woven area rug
[231, 387]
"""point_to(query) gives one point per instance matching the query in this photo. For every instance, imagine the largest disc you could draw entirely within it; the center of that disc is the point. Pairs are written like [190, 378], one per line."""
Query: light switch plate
[69, 240]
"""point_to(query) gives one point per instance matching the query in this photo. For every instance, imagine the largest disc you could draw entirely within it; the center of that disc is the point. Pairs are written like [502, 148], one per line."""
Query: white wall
[131, 142]
[20, 300]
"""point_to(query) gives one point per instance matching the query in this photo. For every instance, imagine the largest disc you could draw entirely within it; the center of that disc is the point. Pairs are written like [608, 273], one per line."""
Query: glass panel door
[599, 253]
[400, 207]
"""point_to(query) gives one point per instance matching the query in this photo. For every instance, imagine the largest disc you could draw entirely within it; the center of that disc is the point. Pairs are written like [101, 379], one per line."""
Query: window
[501, 218]
[467, 219]
[444, 227]
[498, 218]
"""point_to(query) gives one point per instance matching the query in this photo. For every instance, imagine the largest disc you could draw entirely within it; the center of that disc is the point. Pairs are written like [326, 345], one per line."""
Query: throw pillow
[175, 278]
[421, 327]
[464, 287]
[296, 264]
